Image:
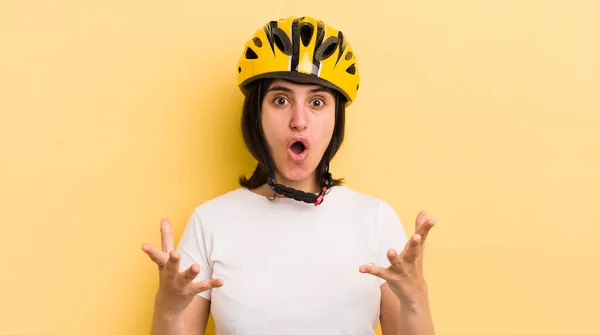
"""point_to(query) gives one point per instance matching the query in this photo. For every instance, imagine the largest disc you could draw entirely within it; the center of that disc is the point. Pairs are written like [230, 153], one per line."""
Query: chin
[297, 173]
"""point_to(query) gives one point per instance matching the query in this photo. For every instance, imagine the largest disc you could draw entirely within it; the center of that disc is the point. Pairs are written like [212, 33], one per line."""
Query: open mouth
[298, 147]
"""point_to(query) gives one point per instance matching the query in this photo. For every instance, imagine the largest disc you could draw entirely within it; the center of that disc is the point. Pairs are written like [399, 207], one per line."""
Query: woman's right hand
[176, 289]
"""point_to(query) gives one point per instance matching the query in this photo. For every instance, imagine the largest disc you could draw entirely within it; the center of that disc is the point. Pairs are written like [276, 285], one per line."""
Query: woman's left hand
[405, 274]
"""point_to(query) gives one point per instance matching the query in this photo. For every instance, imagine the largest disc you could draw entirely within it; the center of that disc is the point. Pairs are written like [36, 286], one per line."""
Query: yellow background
[486, 114]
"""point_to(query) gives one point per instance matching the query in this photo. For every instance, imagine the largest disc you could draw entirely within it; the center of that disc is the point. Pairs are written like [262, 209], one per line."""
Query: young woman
[293, 251]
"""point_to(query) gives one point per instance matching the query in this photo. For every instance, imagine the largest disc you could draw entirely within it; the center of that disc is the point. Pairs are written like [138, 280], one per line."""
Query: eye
[318, 102]
[280, 101]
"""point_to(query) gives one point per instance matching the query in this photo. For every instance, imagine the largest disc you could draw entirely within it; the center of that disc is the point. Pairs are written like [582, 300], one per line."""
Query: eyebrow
[287, 89]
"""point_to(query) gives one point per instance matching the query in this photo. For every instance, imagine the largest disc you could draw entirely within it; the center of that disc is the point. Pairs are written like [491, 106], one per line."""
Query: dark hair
[257, 145]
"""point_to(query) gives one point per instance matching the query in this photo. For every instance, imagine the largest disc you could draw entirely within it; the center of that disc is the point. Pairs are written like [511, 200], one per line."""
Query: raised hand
[405, 274]
[176, 289]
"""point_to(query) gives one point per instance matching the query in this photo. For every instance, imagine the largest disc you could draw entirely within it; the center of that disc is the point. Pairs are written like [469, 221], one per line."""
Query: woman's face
[298, 122]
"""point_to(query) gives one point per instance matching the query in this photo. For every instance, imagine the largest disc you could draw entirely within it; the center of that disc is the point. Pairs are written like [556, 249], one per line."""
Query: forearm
[415, 317]
[167, 323]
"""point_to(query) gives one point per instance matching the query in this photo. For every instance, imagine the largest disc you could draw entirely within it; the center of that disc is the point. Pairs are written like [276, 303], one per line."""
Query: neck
[308, 185]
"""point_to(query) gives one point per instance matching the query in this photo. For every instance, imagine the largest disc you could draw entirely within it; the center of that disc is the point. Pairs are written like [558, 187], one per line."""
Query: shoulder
[369, 211]
[226, 200]
[219, 206]
[348, 198]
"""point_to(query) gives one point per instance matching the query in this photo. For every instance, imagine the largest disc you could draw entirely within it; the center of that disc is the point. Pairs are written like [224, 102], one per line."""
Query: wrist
[167, 314]
[417, 301]
[164, 310]
[166, 320]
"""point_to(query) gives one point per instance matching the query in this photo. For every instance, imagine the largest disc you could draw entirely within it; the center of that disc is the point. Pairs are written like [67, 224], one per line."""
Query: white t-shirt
[289, 267]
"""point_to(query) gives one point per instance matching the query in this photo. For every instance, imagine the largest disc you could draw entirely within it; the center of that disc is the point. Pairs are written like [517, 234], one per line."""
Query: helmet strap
[298, 195]
[308, 197]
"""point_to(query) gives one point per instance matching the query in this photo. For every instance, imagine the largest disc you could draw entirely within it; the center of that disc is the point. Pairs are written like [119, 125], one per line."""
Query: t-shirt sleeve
[193, 249]
[390, 235]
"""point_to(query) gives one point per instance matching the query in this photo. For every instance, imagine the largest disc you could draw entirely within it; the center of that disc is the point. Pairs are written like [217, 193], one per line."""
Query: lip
[294, 156]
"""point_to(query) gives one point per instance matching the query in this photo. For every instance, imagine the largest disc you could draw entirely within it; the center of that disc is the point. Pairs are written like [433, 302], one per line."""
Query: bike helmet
[300, 49]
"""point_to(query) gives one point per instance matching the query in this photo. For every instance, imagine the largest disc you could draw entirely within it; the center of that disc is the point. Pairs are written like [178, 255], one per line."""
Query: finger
[173, 264]
[424, 229]
[204, 285]
[421, 218]
[189, 274]
[392, 256]
[375, 271]
[166, 235]
[413, 249]
[155, 255]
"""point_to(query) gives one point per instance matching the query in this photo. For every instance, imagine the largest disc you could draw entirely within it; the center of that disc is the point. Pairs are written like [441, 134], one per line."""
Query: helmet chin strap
[298, 195]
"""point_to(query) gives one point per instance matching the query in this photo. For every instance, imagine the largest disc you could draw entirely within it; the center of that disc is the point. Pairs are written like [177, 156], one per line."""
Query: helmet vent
[306, 32]
[348, 55]
[282, 41]
[250, 54]
[351, 69]
[327, 48]
[257, 42]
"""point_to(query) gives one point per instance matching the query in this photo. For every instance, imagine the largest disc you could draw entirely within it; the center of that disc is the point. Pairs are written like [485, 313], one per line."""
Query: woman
[293, 251]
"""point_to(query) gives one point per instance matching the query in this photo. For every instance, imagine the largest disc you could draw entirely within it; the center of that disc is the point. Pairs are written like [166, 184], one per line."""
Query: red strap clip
[321, 196]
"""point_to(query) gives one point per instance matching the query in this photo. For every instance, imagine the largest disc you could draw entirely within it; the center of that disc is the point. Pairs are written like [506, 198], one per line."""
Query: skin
[309, 111]
[177, 308]
[406, 282]
[297, 110]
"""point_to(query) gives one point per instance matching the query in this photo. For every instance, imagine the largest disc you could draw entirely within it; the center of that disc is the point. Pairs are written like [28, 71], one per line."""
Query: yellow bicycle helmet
[300, 49]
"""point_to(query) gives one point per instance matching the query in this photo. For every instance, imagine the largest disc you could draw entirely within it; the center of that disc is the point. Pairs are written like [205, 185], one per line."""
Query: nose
[299, 120]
